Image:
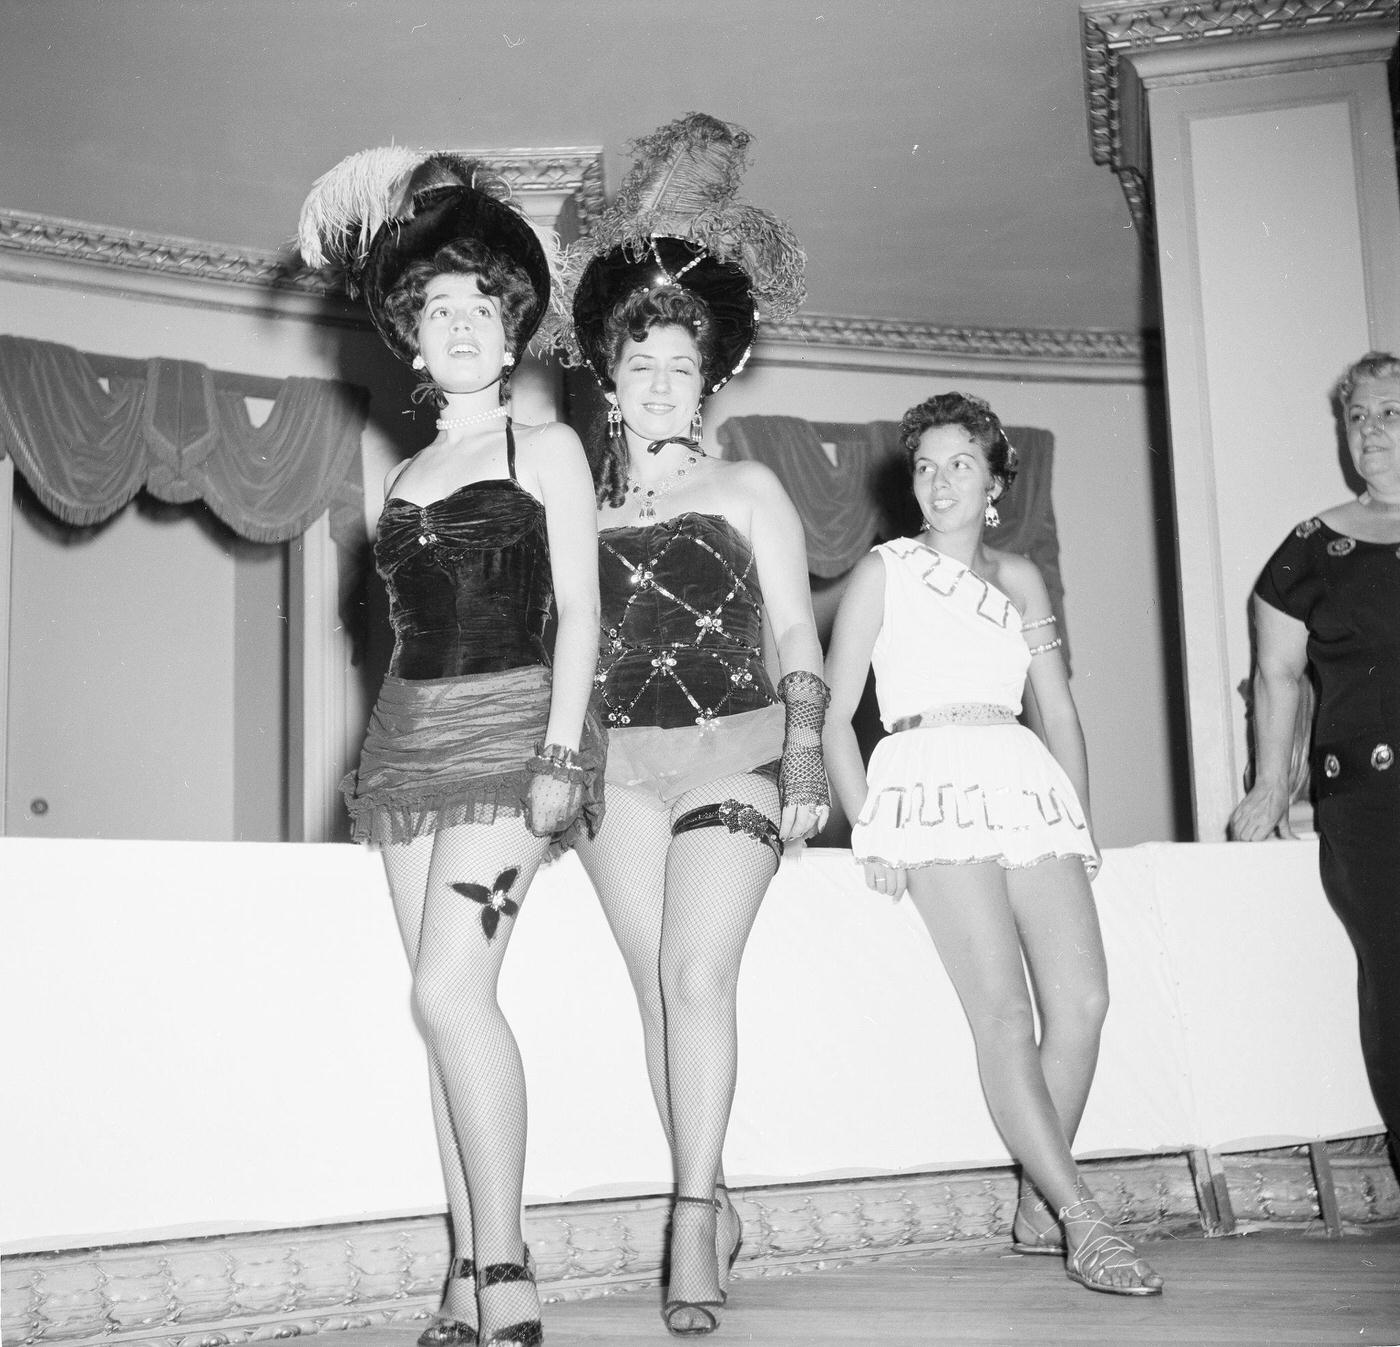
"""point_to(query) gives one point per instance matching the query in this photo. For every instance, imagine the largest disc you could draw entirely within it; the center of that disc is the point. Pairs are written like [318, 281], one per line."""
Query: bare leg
[1059, 930]
[478, 878]
[969, 914]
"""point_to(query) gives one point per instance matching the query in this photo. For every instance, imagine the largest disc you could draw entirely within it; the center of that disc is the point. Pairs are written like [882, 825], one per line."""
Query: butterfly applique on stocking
[495, 901]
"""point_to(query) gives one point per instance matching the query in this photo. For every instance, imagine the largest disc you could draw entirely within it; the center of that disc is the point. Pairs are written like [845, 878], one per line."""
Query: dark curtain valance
[169, 428]
[863, 497]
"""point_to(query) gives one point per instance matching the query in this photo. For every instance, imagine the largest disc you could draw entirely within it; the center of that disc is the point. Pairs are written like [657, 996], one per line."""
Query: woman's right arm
[1281, 664]
[858, 622]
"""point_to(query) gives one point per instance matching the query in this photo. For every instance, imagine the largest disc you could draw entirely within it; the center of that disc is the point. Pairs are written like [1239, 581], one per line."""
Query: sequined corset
[682, 623]
[468, 579]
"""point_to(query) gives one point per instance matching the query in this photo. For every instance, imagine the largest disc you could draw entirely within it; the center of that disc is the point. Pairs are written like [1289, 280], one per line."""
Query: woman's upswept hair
[632, 319]
[1372, 365]
[503, 280]
[974, 416]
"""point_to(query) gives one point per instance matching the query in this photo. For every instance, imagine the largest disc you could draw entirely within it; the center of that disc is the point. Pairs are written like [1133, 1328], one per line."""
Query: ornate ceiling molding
[562, 188]
[886, 336]
[1110, 31]
[162, 265]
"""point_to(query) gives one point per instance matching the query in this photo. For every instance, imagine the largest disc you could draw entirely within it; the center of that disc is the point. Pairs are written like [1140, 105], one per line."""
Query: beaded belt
[958, 713]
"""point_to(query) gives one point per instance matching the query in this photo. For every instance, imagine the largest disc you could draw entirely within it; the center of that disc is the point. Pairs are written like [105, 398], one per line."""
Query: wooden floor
[1257, 1290]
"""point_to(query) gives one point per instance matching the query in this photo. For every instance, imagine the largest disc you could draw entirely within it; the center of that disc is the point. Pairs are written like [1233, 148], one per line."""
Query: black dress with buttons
[1347, 593]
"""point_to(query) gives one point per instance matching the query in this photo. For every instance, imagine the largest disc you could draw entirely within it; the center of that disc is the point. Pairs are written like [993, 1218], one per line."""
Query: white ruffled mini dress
[951, 650]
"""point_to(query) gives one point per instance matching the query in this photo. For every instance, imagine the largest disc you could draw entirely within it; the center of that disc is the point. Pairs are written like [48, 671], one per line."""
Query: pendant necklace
[649, 495]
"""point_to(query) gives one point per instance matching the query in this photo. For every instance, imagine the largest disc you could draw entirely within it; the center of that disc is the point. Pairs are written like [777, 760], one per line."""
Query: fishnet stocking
[448, 888]
[681, 909]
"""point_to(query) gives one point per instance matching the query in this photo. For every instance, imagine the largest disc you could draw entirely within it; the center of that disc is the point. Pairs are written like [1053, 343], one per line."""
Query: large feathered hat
[379, 211]
[676, 222]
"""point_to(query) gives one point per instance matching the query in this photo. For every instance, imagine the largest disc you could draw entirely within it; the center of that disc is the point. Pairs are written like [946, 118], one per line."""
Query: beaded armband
[1044, 645]
[557, 761]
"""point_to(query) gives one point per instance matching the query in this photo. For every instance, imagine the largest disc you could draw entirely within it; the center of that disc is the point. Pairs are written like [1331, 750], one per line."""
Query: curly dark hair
[1372, 365]
[974, 416]
[633, 318]
[496, 276]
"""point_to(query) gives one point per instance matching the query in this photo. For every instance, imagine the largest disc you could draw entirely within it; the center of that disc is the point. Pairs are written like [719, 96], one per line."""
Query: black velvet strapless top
[682, 623]
[468, 579]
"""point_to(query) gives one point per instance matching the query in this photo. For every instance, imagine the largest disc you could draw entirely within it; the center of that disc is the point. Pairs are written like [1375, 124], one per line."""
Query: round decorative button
[1382, 757]
[1331, 767]
[1339, 547]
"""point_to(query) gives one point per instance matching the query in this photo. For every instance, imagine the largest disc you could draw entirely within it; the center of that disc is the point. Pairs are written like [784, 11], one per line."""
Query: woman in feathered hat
[711, 767]
[478, 754]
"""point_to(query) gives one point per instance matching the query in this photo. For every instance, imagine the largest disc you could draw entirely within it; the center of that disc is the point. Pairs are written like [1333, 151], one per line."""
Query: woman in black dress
[478, 753]
[1328, 606]
[711, 767]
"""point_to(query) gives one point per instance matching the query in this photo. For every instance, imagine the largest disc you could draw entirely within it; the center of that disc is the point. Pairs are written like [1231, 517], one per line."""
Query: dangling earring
[614, 419]
[990, 516]
[697, 425]
[509, 360]
[419, 363]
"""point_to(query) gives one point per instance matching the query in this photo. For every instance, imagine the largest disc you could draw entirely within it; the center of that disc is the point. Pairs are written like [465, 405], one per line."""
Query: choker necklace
[461, 422]
[653, 493]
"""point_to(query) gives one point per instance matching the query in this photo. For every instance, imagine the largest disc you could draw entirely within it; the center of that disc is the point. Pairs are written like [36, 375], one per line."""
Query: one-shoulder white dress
[968, 783]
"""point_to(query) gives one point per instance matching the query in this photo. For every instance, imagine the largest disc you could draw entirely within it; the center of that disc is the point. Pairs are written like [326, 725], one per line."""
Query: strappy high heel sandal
[525, 1333]
[726, 1257]
[1045, 1241]
[706, 1308]
[445, 1331]
[1100, 1255]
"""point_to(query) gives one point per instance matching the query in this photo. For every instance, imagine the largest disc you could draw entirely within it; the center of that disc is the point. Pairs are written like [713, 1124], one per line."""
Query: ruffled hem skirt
[445, 751]
[960, 794]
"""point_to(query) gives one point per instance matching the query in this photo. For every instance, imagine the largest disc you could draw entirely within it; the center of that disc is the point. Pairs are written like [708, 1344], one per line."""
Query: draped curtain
[863, 496]
[86, 451]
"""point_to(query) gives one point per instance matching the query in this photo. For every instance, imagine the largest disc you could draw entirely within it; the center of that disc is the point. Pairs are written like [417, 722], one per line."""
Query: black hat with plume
[676, 222]
[379, 211]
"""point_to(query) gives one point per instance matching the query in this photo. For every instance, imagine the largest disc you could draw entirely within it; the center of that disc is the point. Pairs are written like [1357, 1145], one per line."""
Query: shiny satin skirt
[445, 751]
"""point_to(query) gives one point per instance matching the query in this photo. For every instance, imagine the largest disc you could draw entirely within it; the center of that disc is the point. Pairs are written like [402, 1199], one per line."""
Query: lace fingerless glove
[802, 776]
[556, 790]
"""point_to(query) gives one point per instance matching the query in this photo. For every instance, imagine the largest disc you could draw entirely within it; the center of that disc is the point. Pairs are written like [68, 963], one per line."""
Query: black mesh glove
[802, 777]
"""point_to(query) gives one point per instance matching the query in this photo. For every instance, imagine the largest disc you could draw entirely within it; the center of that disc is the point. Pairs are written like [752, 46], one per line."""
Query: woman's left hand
[801, 821]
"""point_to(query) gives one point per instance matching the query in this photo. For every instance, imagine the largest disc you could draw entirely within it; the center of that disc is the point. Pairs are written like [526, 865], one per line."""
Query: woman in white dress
[966, 811]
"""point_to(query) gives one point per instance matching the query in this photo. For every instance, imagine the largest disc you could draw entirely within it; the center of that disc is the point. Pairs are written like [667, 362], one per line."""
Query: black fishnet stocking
[681, 909]
[457, 892]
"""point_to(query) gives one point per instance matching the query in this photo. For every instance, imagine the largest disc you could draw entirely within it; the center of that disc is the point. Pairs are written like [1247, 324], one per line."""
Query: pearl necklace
[653, 493]
[461, 422]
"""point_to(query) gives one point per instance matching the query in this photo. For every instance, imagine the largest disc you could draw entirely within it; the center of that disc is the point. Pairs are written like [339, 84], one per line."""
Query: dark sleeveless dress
[1347, 593]
[466, 700]
[686, 697]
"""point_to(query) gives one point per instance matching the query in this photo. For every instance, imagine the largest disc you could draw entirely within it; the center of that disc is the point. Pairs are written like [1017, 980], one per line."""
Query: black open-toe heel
[526, 1333]
[449, 1332]
[726, 1257]
[707, 1308]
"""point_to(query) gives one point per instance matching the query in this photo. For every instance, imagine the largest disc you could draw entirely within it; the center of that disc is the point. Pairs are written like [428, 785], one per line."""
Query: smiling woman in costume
[711, 768]
[964, 809]
[1328, 605]
[478, 754]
